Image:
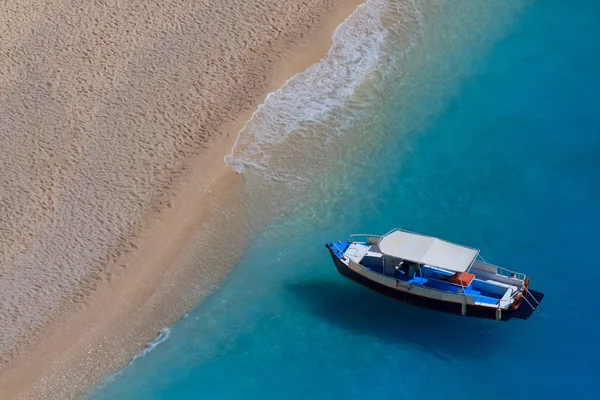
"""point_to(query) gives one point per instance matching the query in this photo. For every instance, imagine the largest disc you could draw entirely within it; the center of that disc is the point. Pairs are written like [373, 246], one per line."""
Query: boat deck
[484, 289]
[480, 295]
[433, 273]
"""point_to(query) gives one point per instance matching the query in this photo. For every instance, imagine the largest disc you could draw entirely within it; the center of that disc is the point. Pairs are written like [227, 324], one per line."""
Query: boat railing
[366, 236]
[511, 274]
[460, 292]
[503, 271]
[461, 287]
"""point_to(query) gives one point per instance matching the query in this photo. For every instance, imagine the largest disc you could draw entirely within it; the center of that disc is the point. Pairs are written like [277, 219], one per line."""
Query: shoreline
[98, 336]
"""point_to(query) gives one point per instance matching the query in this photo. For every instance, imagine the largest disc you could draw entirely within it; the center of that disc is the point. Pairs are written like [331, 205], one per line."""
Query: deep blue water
[510, 164]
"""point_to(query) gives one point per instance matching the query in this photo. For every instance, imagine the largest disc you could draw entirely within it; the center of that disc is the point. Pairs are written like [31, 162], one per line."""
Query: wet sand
[114, 121]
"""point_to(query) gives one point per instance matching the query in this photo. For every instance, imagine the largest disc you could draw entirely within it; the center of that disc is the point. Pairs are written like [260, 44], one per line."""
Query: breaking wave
[162, 337]
[287, 136]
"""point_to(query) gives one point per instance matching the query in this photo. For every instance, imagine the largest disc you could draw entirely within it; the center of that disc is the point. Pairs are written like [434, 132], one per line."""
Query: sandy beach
[114, 120]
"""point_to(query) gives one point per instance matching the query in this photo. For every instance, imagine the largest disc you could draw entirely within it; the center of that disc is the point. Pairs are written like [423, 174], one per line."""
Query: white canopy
[427, 250]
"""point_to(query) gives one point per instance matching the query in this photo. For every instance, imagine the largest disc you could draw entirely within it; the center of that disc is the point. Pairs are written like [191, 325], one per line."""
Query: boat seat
[419, 280]
[505, 300]
[462, 278]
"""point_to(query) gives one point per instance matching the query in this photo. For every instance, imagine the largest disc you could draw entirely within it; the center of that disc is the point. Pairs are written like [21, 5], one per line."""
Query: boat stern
[526, 301]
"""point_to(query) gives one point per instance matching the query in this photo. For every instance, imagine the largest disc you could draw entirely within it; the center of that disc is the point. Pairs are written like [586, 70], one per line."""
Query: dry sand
[114, 118]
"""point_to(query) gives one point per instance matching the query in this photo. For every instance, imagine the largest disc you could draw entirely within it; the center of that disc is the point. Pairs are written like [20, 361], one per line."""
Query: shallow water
[485, 133]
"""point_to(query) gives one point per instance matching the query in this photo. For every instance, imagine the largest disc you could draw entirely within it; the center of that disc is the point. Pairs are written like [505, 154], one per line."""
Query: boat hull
[435, 304]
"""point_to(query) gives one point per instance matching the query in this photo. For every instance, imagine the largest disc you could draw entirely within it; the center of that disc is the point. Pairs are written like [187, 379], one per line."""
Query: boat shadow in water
[355, 309]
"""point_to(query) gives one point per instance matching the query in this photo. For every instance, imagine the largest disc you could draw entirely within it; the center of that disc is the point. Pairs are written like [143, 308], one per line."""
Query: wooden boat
[434, 273]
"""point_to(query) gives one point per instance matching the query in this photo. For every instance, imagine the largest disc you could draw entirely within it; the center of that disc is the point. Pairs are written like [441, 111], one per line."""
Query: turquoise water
[500, 150]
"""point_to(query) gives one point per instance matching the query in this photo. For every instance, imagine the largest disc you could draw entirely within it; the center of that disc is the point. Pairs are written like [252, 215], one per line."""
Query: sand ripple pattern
[101, 104]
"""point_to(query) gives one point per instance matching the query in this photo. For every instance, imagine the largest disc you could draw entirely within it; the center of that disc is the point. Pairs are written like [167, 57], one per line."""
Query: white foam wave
[301, 106]
[162, 337]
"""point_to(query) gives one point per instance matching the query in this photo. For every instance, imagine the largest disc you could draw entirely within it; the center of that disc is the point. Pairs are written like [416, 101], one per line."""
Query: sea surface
[476, 121]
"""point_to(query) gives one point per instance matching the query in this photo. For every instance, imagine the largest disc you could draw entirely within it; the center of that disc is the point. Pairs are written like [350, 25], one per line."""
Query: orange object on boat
[462, 278]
